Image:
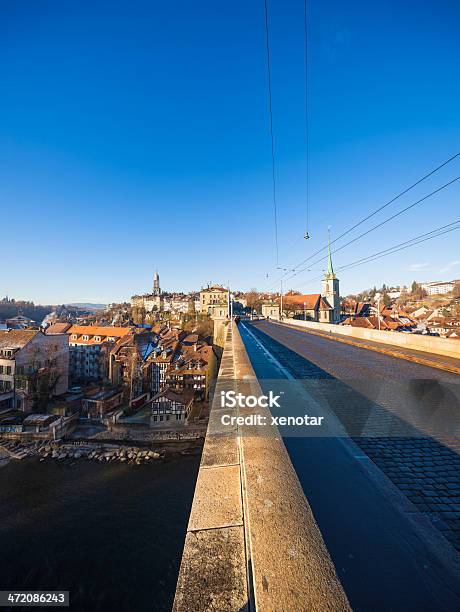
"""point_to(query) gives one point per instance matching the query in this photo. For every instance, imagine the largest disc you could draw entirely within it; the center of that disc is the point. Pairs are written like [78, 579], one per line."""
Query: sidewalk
[449, 364]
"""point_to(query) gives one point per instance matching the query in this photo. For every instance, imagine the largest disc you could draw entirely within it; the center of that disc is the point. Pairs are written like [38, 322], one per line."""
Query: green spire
[330, 269]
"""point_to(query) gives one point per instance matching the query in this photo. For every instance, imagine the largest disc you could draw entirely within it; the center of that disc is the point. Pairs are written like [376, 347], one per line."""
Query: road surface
[387, 499]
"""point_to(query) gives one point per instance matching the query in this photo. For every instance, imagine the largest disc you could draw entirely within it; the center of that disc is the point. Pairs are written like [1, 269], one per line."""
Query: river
[111, 534]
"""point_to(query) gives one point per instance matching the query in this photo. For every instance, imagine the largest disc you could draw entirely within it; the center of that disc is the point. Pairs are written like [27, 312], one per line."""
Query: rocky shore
[68, 451]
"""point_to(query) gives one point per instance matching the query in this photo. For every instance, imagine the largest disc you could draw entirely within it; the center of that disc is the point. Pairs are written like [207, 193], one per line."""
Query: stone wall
[417, 342]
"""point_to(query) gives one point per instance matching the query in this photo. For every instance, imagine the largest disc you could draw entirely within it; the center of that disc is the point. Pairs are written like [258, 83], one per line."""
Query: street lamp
[284, 270]
[281, 301]
[378, 296]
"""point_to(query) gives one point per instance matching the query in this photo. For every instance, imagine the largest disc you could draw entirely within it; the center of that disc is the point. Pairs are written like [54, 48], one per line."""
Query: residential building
[129, 366]
[384, 320]
[20, 322]
[162, 356]
[58, 328]
[102, 402]
[33, 368]
[438, 287]
[312, 307]
[89, 349]
[271, 311]
[171, 405]
[214, 300]
[193, 368]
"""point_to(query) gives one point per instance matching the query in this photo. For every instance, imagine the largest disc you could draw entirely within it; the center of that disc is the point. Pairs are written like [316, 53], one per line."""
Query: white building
[438, 287]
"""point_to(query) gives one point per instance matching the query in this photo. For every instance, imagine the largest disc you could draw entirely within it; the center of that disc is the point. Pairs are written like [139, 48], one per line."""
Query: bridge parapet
[417, 342]
[252, 542]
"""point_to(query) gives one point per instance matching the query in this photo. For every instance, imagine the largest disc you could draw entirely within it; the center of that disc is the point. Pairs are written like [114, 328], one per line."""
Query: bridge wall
[427, 344]
[252, 542]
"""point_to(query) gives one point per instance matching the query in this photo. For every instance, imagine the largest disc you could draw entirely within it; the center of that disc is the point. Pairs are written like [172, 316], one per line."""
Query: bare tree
[253, 299]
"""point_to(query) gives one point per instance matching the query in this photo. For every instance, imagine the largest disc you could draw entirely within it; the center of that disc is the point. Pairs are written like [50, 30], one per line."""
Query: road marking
[275, 361]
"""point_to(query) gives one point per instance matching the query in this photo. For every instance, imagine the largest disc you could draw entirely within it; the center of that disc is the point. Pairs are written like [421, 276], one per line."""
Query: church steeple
[156, 283]
[331, 287]
[330, 269]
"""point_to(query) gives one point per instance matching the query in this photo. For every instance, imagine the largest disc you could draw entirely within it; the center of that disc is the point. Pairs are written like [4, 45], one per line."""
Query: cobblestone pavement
[427, 472]
[410, 405]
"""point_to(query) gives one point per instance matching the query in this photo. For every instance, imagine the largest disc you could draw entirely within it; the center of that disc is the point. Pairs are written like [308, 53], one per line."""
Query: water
[111, 534]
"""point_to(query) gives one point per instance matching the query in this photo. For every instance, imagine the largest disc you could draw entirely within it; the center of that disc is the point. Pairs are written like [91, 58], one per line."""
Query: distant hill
[11, 308]
[88, 306]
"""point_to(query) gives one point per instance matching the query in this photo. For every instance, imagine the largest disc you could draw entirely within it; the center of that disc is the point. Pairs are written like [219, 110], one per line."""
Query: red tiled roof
[99, 330]
[16, 338]
[58, 328]
[309, 301]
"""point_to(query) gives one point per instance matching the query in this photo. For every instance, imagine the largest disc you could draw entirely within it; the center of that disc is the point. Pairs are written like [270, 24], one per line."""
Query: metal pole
[305, 311]
[281, 301]
[378, 311]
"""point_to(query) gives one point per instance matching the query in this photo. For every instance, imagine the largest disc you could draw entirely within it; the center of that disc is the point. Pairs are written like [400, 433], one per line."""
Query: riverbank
[97, 450]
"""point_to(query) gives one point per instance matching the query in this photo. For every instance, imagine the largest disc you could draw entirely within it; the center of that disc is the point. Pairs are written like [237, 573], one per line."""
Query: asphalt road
[387, 498]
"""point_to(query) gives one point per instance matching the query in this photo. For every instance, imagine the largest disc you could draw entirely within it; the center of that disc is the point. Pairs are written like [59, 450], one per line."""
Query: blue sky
[135, 136]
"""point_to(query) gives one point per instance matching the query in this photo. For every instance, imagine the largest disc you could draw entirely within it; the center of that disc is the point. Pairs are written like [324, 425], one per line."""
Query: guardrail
[252, 542]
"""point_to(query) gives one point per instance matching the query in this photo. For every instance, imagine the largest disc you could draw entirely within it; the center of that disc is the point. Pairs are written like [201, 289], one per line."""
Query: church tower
[331, 289]
[156, 284]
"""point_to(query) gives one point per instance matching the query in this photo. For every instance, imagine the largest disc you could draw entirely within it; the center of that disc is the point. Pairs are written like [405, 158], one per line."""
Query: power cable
[267, 39]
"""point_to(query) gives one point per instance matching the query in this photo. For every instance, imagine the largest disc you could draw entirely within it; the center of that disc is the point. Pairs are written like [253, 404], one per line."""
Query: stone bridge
[379, 528]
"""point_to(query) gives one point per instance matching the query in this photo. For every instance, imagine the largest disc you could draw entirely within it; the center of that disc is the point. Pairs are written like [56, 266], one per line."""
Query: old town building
[193, 369]
[33, 368]
[150, 302]
[89, 349]
[214, 300]
[171, 405]
[129, 366]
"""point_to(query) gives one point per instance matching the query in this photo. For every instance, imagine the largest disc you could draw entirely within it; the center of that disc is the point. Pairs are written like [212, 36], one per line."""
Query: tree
[191, 310]
[417, 291]
[138, 314]
[42, 376]
[290, 309]
[203, 325]
[253, 299]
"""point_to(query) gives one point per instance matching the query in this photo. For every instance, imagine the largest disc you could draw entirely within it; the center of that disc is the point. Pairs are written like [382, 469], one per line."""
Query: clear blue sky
[135, 136]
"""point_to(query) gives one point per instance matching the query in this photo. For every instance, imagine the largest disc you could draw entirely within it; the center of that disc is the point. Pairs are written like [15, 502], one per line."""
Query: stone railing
[416, 342]
[252, 542]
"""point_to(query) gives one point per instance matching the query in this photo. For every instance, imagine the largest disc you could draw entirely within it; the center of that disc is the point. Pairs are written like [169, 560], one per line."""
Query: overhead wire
[307, 144]
[380, 208]
[439, 231]
[270, 106]
[378, 225]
